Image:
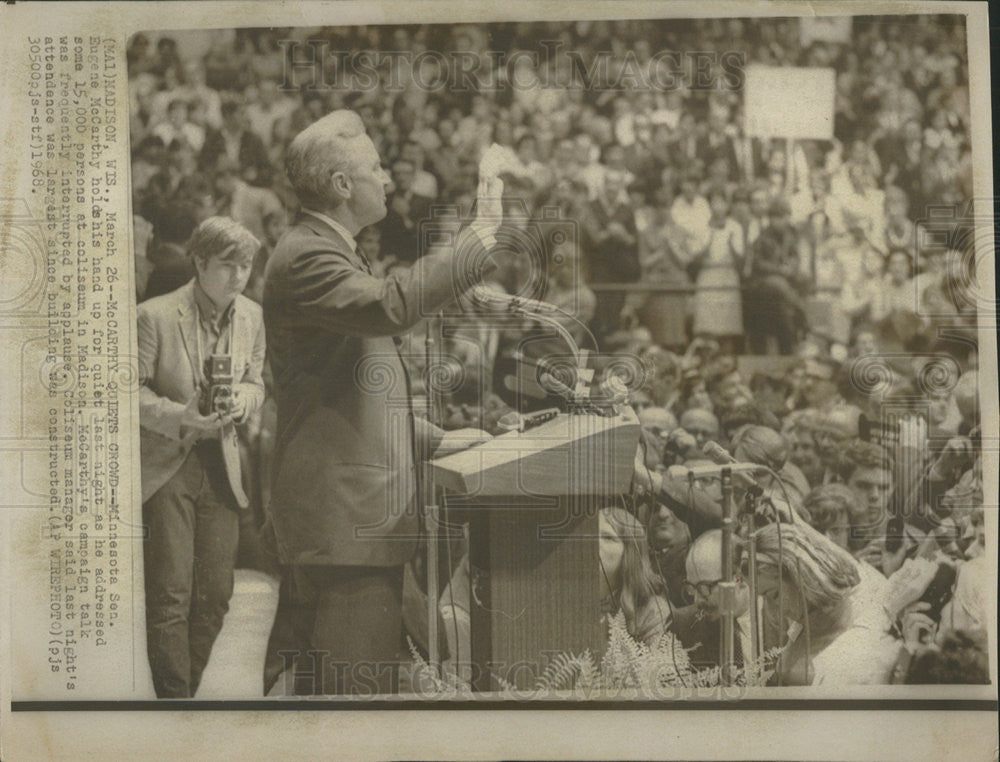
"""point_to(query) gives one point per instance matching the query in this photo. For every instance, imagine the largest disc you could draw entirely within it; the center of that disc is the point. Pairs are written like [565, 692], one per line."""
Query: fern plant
[628, 668]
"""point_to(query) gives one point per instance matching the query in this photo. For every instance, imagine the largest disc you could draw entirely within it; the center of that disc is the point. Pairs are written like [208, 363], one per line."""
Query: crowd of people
[758, 243]
[878, 496]
[682, 243]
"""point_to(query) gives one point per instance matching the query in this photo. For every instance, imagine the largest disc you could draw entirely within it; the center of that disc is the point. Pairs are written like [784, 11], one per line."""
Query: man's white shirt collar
[335, 225]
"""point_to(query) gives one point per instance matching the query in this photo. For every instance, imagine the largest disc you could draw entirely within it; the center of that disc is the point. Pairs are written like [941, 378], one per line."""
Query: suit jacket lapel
[239, 348]
[320, 228]
[187, 324]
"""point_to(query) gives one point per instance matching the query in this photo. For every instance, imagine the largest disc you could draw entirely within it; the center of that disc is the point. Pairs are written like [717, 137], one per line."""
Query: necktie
[364, 259]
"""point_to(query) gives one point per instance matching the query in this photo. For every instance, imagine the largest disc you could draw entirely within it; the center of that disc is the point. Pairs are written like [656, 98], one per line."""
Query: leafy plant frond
[566, 670]
[627, 665]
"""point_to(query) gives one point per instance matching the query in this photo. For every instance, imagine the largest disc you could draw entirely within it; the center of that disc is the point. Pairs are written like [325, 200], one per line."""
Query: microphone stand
[727, 588]
[431, 517]
[513, 309]
[755, 650]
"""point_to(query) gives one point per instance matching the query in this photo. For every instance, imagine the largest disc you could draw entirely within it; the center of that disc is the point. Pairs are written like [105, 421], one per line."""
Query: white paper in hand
[497, 159]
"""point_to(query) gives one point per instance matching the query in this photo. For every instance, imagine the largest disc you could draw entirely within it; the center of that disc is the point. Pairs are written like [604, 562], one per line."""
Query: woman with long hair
[628, 582]
[830, 606]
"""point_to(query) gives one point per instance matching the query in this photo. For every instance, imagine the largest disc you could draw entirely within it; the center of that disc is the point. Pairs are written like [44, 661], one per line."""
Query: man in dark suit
[772, 301]
[406, 210]
[716, 144]
[612, 249]
[240, 144]
[344, 499]
[191, 481]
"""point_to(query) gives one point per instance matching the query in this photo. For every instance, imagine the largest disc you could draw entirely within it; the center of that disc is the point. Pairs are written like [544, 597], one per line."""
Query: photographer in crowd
[201, 359]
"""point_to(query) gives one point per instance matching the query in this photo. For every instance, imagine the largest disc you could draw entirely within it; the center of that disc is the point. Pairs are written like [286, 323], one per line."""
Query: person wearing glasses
[701, 590]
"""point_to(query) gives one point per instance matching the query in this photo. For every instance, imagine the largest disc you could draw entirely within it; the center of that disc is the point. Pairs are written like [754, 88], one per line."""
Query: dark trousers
[607, 313]
[771, 307]
[189, 554]
[341, 626]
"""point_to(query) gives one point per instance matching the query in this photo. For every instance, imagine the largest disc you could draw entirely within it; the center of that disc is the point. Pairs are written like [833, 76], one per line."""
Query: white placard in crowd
[826, 29]
[789, 102]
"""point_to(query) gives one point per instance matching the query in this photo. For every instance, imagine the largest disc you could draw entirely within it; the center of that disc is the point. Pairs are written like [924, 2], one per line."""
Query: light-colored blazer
[167, 332]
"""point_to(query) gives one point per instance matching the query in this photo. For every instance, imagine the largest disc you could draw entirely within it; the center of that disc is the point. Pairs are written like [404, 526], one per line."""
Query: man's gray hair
[224, 238]
[322, 148]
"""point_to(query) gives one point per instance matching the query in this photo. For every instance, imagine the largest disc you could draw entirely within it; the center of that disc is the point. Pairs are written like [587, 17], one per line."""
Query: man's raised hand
[489, 206]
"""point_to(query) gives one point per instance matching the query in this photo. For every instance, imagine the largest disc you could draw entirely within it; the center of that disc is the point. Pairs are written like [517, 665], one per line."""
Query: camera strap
[199, 371]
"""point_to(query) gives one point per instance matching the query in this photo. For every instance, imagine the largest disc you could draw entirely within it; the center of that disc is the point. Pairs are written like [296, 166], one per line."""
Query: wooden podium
[531, 499]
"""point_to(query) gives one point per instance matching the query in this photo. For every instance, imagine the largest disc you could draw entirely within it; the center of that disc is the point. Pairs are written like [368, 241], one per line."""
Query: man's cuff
[486, 237]
[473, 262]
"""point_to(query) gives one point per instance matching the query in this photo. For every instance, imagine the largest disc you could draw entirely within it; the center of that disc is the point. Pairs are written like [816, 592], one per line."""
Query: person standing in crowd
[829, 508]
[867, 471]
[717, 306]
[818, 391]
[178, 127]
[691, 213]
[247, 204]
[663, 260]
[168, 254]
[424, 183]
[833, 431]
[344, 497]
[237, 141]
[797, 428]
[700, 629]
[269, 106]
[702, 425]
[895, 301]
[774, 306]
[407, 209]
[201, 358]
[824, 271]
[613, 248]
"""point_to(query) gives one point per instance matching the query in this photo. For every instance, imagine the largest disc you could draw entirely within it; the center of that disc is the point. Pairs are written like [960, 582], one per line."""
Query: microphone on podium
[717, 453]
[720, 456]
[552, 384]
[486, 297]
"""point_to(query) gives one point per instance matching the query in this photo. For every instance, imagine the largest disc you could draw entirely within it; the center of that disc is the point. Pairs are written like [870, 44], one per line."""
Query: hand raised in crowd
[893, 560]
[917, 627]
[617, 230]
[931, 547]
